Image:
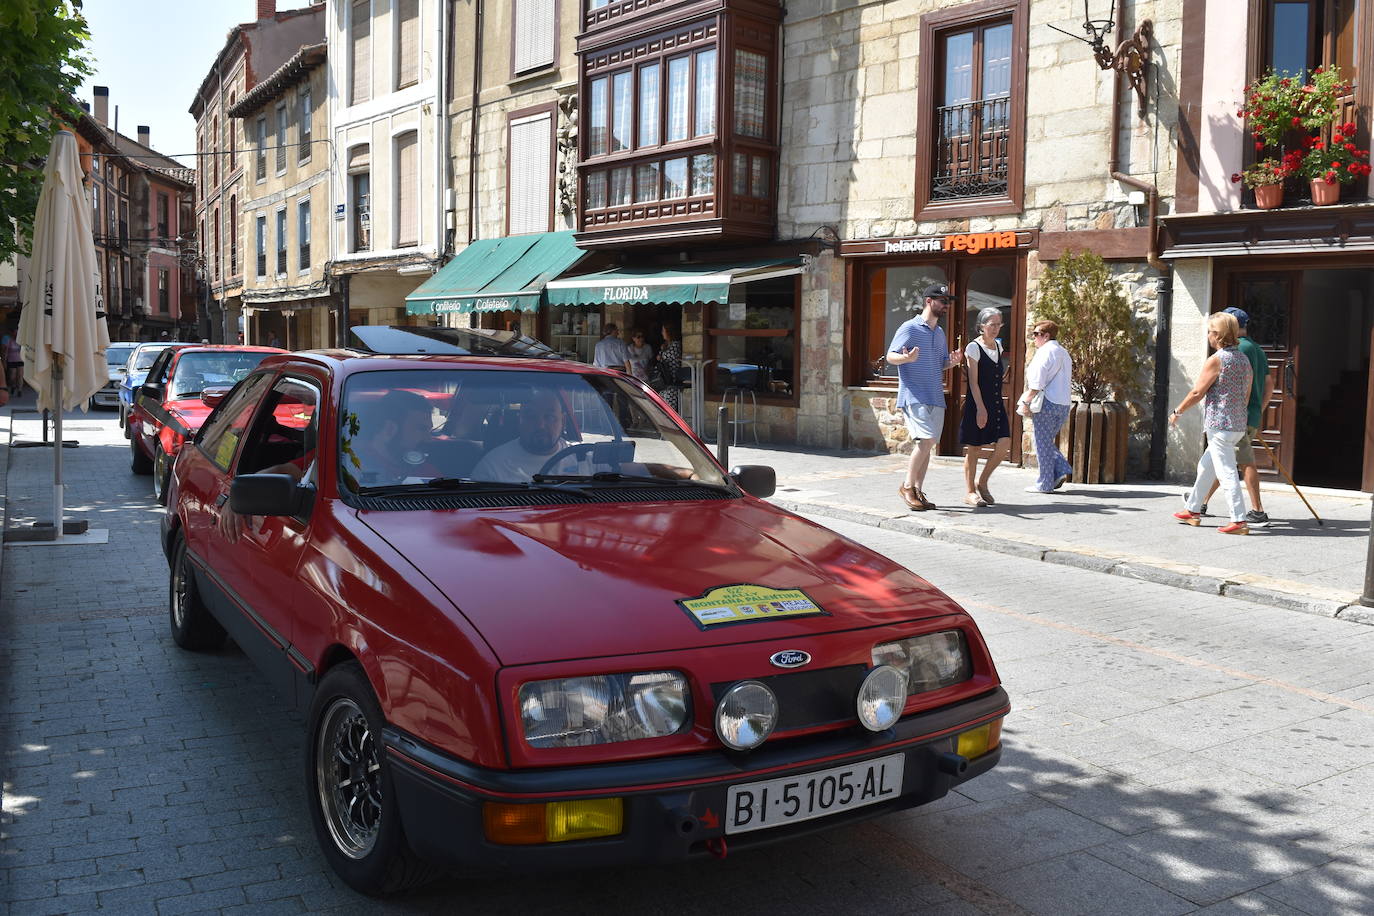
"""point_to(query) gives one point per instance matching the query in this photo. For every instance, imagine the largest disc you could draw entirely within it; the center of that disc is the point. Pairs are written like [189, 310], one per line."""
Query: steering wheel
[582, 448]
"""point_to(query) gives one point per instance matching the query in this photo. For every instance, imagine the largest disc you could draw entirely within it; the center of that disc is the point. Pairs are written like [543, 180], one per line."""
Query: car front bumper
[675, 806]
[106, 397]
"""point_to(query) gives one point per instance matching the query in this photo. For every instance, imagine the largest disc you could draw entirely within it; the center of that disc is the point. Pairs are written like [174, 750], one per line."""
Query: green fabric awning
[666, 285]
[497, 275]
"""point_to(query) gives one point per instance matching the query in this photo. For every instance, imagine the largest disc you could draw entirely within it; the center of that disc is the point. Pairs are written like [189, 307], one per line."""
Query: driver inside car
[541, 437]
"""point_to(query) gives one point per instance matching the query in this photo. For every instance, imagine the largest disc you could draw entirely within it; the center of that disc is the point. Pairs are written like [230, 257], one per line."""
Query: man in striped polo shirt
[920, 351]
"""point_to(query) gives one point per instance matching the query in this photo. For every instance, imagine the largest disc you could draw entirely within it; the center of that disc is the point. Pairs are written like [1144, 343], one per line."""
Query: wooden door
[1272, 301]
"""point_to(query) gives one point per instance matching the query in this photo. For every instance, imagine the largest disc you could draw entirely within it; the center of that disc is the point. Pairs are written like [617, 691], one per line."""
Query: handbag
[1037, 402]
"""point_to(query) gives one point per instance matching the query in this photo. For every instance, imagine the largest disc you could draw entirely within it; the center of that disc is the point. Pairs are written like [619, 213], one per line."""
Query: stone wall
[850, 93]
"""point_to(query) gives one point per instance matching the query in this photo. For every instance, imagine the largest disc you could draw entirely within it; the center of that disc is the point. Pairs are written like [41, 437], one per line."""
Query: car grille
[810, 698]
[537, 498]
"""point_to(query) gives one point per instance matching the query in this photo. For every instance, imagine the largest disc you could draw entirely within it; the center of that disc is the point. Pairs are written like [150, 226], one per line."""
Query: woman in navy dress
[984, 431]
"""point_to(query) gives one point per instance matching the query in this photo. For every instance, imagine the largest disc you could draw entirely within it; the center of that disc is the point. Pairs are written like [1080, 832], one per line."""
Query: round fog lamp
[882, 698]
[746, 715]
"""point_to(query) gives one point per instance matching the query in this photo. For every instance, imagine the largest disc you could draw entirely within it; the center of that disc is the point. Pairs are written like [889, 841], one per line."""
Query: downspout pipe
[441, 135]
[1159, 422]
[1114, 156]
[472, 131]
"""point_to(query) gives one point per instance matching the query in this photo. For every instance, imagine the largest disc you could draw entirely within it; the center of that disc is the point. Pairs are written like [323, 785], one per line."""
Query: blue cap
[1242, 318]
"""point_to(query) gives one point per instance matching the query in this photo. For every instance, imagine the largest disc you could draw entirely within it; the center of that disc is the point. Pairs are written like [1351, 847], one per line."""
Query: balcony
[971, 150]
[678, 140]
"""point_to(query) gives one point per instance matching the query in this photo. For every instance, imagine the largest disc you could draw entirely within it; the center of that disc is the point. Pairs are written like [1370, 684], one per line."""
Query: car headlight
[579, 711]
[881, 698]
[930, 662]
[746, 715]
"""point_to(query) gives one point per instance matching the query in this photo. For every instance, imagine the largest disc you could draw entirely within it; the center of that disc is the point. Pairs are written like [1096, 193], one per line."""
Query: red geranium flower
[1258, 146]
[1350, 147]
[1296, 120]
[1337, 138]
[1235, 177]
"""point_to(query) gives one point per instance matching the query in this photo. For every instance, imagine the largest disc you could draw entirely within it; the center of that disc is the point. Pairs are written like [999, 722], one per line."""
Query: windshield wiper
[615, 477]
[454, 484]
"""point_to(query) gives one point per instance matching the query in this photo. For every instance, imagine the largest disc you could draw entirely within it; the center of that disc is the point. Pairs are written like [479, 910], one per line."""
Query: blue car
[136, 370]
[116, 358]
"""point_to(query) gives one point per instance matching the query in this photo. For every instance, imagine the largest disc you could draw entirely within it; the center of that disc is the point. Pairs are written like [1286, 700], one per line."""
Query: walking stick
[1275, 458]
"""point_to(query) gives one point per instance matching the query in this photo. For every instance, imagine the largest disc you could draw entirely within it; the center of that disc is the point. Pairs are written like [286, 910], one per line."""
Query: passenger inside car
[390, 440]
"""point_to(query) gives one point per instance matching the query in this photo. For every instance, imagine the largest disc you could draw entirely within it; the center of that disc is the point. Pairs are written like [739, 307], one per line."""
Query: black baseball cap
[938, 291]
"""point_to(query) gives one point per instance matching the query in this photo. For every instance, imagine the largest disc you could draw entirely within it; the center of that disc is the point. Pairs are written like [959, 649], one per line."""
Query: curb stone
[1094, 562]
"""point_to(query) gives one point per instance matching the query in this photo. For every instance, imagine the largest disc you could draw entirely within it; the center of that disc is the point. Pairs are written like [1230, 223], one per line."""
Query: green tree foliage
[1097, 325]
[42, 64]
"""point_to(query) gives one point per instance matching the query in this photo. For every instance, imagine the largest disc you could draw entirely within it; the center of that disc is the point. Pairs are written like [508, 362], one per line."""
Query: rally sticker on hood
[726, 604]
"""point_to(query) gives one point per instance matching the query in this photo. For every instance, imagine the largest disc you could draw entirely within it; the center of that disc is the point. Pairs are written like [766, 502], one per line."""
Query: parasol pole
[1275, 458]
[57, 445]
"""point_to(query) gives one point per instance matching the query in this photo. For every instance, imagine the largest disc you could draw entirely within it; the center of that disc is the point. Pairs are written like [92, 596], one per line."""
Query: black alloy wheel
[162, 476]
[351, 797]
[193, 626]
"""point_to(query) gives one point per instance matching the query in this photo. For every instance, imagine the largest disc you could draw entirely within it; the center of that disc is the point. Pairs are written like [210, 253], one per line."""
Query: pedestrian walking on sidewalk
[1245, 450]
[14, 364]
[669, 361]
[1049, 374]
[920, 351]
[984, 431]
[1224, 387]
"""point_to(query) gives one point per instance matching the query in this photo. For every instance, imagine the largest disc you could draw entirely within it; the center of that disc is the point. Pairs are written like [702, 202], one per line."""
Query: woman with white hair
[985, 430]
[1224, 387]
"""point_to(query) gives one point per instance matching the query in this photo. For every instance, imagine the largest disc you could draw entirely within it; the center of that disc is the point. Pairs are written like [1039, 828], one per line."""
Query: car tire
[357, 821]
[193, 626]
[139, 463]
[162, 476]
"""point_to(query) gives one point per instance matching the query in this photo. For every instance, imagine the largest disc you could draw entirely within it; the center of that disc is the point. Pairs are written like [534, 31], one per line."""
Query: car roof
[349, 362]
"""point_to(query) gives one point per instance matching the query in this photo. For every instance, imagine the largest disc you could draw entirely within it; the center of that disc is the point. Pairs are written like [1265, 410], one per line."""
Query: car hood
[603, 579]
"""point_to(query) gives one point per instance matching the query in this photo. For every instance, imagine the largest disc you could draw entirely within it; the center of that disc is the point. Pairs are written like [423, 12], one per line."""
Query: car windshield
[469, 427]
[197, 371]
[146, 357]
[117, 356]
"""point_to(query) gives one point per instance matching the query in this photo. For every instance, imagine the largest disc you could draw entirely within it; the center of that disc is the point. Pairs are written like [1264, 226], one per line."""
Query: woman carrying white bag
[1046, 401]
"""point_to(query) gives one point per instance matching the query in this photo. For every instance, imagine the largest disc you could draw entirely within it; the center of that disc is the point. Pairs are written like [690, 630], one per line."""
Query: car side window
[219, 438]
[283, 436]
[158, 371]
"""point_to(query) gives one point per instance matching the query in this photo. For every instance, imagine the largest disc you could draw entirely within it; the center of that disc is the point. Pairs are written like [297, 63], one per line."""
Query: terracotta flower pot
[1324, 194]
[1269, 196]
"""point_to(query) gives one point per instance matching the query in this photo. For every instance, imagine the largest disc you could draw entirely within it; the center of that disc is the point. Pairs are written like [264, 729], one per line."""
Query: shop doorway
[1315, 326]
[891, 294]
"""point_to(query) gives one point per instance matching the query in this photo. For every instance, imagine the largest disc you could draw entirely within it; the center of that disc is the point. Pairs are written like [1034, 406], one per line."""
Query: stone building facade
[285, 212]
[252, 50]
[866, 84]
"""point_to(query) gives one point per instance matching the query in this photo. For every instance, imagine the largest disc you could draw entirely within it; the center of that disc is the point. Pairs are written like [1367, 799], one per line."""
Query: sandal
[975, 500]
[987, 497]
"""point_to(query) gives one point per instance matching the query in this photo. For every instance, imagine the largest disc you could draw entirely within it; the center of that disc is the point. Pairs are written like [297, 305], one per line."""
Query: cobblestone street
[1168, 752]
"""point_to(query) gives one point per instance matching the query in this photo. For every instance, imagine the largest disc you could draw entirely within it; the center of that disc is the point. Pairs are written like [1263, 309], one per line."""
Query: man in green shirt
[1245, 449]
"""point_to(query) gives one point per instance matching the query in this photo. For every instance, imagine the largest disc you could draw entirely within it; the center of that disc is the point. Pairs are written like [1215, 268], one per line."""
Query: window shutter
[407, 171]
[531, 162]
[535, 34]
[361, 45]
[408, 52]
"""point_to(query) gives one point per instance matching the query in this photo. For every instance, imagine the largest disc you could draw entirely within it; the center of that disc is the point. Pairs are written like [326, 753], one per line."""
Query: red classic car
[172, 402]
[534, 624]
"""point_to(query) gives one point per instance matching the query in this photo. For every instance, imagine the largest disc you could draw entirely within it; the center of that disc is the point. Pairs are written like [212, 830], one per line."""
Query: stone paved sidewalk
[1123, 529]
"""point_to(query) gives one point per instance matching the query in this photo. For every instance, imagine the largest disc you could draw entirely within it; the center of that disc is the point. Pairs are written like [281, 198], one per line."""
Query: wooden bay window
[669, 112]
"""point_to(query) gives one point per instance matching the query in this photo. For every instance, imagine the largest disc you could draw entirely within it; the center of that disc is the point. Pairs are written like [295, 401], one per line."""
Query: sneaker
[1060, 482]
[1257, 518]
[1189, 518]
[1235, 528]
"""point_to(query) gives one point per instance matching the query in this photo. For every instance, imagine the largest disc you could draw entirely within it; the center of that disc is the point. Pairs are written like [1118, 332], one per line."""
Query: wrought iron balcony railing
[971, 149]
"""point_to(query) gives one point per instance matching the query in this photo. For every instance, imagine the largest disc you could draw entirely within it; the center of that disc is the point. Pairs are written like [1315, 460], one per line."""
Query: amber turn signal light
[552, 822]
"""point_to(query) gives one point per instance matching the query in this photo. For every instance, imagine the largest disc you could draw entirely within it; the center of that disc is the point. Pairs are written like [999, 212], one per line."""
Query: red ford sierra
[534, 624]
[182, 386]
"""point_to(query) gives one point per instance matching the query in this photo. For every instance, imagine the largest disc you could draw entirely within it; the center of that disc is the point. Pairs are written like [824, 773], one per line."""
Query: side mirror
[755, 479]
[149, 390]
[212, 396]
[268, 494]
